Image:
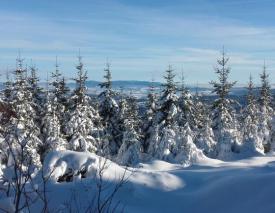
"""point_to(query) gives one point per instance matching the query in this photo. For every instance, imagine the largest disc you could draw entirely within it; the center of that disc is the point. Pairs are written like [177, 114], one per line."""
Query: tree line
[177, 126]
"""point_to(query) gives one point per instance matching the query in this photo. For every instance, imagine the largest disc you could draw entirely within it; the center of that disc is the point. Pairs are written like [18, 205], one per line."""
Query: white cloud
[138, 41]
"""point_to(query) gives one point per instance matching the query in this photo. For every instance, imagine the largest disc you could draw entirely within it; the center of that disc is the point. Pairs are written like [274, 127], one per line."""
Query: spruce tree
[222, 110]
[83, 122]
[56, 79]
[186, 111]
[127, 112]
[200, 110]
[133, 111]
[53, 139]
[121, 117]
[185, 150]
[164, 143]
[204, 138]
[79, 94]
[265, 90]
[5, 104]
[34, 87]
[64, 91]
[21, 139]
[108, 110]
[36, 93]
[167, 106]
[166, 118]
[60, 92]
[154, 141]
[129, 151]
[265, 111]
[251, 141]
[149, 117]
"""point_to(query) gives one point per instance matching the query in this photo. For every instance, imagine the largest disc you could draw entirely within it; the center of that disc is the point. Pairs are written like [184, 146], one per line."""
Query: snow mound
[79, 165]
[158, 186]
[59, 163]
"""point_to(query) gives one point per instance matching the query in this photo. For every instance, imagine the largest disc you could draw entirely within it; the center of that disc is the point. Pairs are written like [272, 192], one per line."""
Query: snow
[57, 163]
[182, 130]
[6, 204]
[208, 186]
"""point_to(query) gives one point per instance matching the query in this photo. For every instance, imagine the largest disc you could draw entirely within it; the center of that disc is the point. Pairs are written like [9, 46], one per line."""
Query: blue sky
[140, 38]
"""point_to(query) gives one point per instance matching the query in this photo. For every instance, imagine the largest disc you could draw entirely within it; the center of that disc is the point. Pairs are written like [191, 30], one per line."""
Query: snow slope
[210, 186]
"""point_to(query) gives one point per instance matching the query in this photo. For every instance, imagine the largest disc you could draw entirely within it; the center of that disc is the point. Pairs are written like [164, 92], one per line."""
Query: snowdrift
[209, 186]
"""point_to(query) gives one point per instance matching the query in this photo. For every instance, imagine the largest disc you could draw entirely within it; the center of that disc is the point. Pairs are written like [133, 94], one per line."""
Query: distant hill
[123, 84]
[142, 87]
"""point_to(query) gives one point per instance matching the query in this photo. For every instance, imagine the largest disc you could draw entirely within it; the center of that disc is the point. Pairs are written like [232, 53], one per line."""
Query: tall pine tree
[149, 117]
[108, 110]
[186, 111]
[36, 94]
[222, 111]
[129, 151]
[60, 92]
[83, 122]
[21, 139]
[166, 119]
[53, 140]
[252, 143]
[265, 111]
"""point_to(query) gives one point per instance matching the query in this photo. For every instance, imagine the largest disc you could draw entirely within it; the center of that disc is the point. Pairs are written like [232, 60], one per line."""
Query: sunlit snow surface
[208, 186]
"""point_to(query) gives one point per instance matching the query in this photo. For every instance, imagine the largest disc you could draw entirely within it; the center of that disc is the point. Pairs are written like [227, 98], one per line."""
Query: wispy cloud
[138, 40]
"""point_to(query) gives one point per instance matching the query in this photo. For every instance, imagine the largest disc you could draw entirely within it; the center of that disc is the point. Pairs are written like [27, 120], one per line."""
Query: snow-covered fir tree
[60, 89]
[204, 138]
[108, 110]
[34, 87]
[36, 93]
[108, 106]
[129, 151]
[128, 113]
[63, 93]
[252, 143]
[185, 149]
[21, 139]
[5, 104]
[149, 117]
[265, 111]
[223, 122]
[174, 128]
[52, 136]
[186, 111]
[60, 92]
[154, 141]
[83, 122]
[133, 111]
[166, 118]
[200, 109]
[167, 105]
[121, 117]
[164, 143]
[20, 148]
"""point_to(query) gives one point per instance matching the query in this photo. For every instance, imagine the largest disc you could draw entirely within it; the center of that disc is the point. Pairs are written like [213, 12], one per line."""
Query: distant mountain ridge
[121, 83]
[143, 85]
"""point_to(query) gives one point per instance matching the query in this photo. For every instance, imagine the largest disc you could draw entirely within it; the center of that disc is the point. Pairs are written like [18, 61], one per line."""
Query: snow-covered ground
[209, 186]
